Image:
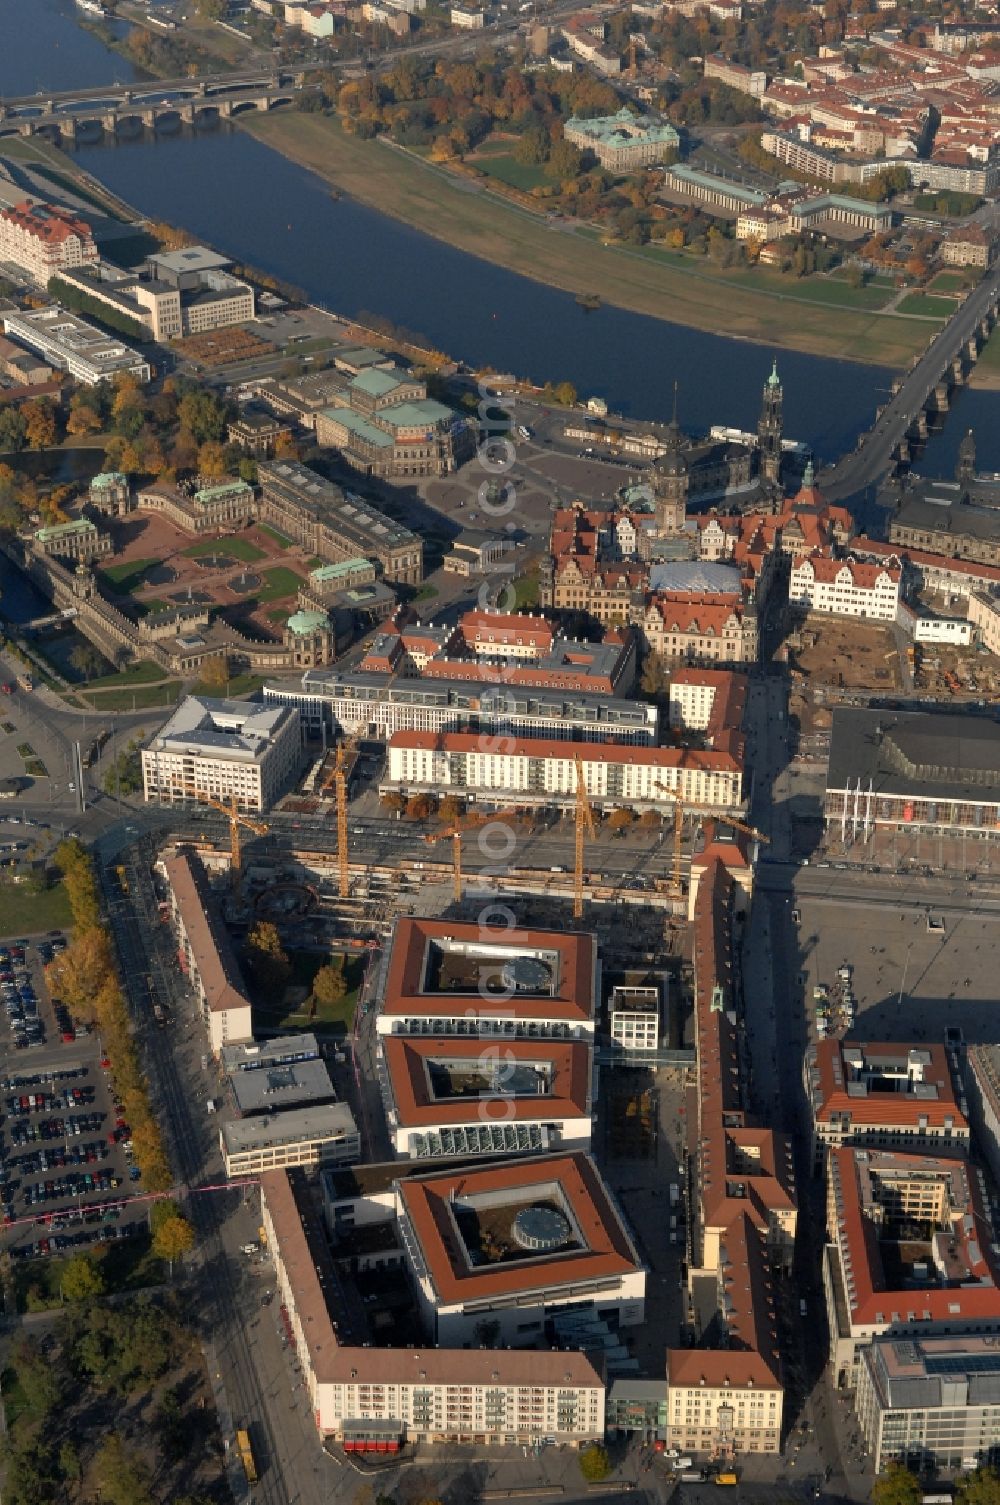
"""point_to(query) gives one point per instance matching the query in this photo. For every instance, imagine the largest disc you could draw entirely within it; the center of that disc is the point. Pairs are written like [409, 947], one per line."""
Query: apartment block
[542, 773]
[373, 1399]
[205, 952]
[43, 240]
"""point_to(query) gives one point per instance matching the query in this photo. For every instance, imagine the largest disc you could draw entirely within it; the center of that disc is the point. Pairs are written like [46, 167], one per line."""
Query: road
[873, 457]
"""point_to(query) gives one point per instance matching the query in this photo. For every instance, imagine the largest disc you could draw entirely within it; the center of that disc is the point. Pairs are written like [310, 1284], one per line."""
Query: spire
[673, 419]
[808, 476]
[774, 380]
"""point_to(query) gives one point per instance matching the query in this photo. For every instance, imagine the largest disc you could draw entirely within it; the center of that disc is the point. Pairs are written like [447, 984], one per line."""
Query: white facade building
[72, 345]
[634, 1017]
[323, 1135]
[221, 749]
[542, 772]
[956, 631]
[846, 587]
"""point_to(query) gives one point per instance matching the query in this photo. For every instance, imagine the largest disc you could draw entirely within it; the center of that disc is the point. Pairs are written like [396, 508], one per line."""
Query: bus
[246, 1455]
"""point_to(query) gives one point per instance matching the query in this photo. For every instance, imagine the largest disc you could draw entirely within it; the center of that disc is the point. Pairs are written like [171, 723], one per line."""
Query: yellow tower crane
[675, 877]
[584, 825]
[730, 820]
[236, 819]
[338, 778]
[456, 848]
[454, 833]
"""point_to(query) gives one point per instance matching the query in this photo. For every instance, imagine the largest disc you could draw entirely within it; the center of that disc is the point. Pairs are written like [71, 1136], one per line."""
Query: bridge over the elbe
[188, 99]
[922, 392]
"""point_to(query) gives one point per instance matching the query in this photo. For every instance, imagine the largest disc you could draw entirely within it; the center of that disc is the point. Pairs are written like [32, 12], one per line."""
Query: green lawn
[127, 577]
[280, 583]
[148, 606]
[25, 913]
[526, 589]
[239, 548]
[143, 673]
[948, 282]
[145, 698]
[333, 1019]
[246, 684]
[922, 303]
[275, 536]
[507, 169]
[279, 617]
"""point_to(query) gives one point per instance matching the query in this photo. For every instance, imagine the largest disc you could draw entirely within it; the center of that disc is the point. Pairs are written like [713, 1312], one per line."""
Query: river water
[232, 191]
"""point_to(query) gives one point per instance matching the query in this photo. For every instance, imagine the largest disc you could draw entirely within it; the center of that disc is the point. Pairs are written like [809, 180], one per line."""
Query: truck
[726, 1478]
[246, 1455]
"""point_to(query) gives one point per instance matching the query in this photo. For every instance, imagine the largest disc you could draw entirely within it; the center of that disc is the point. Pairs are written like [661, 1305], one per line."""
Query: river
[42, 47]
[236, 193]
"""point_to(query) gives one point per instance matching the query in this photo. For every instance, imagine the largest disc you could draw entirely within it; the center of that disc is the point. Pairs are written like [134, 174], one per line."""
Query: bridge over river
[924, 391]
[217, 94]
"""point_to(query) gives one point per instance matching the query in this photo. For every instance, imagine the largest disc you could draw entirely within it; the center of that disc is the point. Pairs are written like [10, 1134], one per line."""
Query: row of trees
[899, 1485]
[84, 977]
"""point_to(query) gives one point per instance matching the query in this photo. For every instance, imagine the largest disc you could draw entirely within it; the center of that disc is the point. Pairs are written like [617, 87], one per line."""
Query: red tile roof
[48, 222]
[572, 1001]
[407, 1058]
[501, 745]
[428, 1203]
[888, 1106]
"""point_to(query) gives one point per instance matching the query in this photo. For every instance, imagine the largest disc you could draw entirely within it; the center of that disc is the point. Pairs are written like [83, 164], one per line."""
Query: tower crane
[675, 877]
[454, 832]
[338, 778]
[584, 824]
[236, 819]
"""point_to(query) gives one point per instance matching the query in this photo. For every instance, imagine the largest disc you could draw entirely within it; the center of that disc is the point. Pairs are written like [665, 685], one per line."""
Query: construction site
[844, 653]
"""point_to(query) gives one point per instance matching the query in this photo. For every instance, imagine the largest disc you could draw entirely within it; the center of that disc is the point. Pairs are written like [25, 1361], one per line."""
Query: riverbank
[809, 316]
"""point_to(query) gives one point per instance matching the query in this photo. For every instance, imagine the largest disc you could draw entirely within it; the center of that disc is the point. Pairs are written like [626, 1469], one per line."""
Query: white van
[681, 1463]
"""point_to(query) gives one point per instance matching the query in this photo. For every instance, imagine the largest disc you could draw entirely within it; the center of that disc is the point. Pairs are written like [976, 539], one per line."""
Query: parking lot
[65, 1150]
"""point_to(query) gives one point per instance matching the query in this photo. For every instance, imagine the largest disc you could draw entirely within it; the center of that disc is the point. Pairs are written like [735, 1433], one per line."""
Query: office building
[887, 1096]
[910, 1250]
[623, 142]
[932, 1403]
[543, 773]
[379, 704]
[72, 345]
[205, 952]
[448, 1097]
[271, 1076]
[374, 1399]
[982, 1079]
[512, 1243]
[450, 977]
[318, 1135]
[43, 240]
[223, 750]
[725, 1397]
